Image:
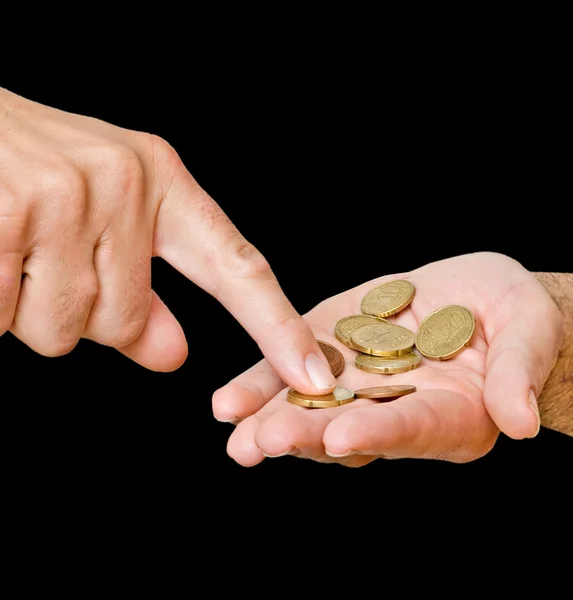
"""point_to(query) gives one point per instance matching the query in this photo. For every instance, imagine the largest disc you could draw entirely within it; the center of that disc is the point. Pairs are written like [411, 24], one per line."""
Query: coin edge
[409, 367]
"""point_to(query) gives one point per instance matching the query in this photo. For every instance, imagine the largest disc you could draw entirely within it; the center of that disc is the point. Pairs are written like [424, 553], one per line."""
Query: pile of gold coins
[386, 348]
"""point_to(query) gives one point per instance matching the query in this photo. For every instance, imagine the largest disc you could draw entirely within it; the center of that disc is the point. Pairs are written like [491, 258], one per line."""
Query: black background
[305, 152]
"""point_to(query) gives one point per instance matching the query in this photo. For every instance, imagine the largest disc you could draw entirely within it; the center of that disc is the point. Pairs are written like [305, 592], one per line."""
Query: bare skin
[460, 405]
[556, 399]
[84, 206]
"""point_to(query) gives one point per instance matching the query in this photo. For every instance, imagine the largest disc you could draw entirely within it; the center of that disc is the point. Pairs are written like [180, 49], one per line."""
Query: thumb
[195, 236]
[521, 355]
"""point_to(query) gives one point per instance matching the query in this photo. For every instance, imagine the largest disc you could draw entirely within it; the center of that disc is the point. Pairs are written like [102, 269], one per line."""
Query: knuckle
[241, 260]
[13, 213]
[126, 333]
[63, 183]
[121, 323]
[129, 323]
[13, 222]
[164, 154]
[87, 289]
[166, 166]
[72, 306]
[289, 326]
[121, 165]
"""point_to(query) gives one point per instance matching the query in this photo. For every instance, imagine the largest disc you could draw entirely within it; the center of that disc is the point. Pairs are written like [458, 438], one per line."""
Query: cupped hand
[460, 405]
[84, 206]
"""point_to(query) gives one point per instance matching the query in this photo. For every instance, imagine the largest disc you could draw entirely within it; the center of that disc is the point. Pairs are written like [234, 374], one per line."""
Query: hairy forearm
[556, 399]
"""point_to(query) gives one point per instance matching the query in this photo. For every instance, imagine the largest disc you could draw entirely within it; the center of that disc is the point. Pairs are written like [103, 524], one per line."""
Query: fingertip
[339, 436]
[320, 375]
[241, 446]
[511, 411]
[294, 352]
[228, 401]
[162, 346]
[517, 421]
[509, 397]
[278, 434]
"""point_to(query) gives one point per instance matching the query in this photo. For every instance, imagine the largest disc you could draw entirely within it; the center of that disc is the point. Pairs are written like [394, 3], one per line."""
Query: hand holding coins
[462, 401]
[386, 348]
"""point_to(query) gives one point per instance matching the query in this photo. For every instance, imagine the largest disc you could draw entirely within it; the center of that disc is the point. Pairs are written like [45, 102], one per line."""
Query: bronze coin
[334, 357]
[338, 397]
[385, 392]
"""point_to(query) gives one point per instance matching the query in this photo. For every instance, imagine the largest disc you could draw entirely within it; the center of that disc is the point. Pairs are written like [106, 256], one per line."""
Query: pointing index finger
[196, 237]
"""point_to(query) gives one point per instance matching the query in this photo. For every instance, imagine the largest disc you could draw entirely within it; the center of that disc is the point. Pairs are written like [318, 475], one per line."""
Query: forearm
[556, 399]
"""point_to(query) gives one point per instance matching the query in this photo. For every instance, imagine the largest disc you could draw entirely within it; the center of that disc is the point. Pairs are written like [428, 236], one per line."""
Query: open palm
[460, 405]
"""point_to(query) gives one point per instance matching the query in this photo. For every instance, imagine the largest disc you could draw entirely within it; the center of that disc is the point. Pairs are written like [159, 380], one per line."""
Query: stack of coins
[383, 347]
[386, 348]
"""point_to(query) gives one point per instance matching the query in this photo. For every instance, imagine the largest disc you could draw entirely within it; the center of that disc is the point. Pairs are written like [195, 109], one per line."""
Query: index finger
[196, 237]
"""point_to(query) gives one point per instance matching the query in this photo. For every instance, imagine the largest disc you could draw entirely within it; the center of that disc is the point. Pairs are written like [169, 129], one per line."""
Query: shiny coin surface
[387, 365]
[338, 397]
[444, 333]
[385, 392]
[334, 357]
[346, 325]
[388, 299]
[383, 339]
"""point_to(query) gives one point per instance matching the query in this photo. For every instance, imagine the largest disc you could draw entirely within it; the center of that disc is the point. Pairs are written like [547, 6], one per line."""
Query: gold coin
[444, 333]
[333, 356]
[388, 299]
[346, 325]
[385, 392]
[383, 339]
[338, 397]
[387, 365]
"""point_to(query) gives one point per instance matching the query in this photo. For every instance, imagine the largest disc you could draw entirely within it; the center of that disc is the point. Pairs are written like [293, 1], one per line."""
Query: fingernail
[291, 450]
[319, 374]
[340, 455]
[535, 408]
[233, 421]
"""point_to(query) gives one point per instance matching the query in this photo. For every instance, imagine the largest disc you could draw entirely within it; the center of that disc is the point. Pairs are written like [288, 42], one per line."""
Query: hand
[460, 404]
[84, 206]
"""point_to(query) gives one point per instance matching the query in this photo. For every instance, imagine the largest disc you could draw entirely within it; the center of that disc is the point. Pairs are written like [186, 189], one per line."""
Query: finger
[286, 428]
[197, 238]
[55, 299]
[161, 346]
[241, 446]
[12, 238]
[434, 424]
[122, 261]
[247, 393]
[521, 354]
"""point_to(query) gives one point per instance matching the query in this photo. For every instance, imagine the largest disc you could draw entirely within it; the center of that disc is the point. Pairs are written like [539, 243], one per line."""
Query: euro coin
[346, 325]
[333, 356]
[387, 365]
[444, 333]
[383, 339]
[338, 397]
[385, 392]
[388, 299]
